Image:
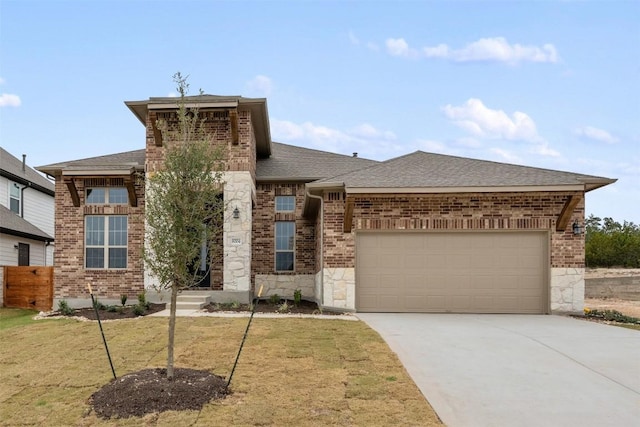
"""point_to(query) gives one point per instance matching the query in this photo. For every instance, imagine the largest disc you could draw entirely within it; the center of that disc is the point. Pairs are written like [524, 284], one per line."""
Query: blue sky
[552, 84]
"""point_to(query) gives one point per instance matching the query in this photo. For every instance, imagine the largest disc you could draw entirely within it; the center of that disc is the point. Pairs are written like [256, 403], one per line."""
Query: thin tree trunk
[172, 330]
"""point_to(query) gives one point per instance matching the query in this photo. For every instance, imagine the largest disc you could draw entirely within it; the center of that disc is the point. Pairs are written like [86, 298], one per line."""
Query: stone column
[239, 190]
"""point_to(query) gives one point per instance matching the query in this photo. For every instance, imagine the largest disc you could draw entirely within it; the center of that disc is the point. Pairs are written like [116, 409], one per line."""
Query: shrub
[297, 297]
[98, 305]
[123, 299]
[284, 307]
[138, 310]
[64, 309]
[274, 299]
[142, 301]
[112, 308]
[611, 315]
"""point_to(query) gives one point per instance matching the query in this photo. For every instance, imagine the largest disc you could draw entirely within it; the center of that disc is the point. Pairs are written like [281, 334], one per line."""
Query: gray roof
[11, 167]
[16, 225]
[289, 162]
[135, 159]
[428, 170]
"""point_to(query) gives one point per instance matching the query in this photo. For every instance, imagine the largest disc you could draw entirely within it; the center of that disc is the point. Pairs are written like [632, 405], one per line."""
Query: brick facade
[70, 276]
[434, 212]
[263, 238]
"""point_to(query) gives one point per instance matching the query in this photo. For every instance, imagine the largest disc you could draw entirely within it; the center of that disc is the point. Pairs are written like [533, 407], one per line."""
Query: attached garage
[457, 272]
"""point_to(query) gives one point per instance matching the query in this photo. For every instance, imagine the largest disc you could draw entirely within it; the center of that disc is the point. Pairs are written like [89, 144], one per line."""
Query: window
[106, 241]
[285, 235]
[15, 197]
[102, 196]
[285, 203]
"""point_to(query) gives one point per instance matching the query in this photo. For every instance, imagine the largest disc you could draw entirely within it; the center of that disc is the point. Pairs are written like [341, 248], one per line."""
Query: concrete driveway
[518, 370]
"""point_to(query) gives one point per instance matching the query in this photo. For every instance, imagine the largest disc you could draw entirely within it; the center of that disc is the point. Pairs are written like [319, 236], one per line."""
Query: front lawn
[292, 372]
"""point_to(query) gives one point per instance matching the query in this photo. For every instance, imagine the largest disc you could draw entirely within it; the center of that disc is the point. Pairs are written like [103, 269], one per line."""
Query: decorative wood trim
[133, 199]
[233, 117]
[75, 197]
[567, 210]
[348, 215]
[157, 134]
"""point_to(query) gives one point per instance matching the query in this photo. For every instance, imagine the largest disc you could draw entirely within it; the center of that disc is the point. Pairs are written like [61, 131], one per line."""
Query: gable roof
[420, 171]
[17, 226]
[112, 162]
[288, 162]
[11, 168]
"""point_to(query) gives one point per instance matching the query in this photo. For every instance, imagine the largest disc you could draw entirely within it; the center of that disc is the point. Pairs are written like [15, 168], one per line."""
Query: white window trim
[11, 185]
[106, 245]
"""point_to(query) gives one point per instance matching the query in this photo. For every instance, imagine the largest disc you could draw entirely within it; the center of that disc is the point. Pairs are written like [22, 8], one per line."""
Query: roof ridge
[325, 152]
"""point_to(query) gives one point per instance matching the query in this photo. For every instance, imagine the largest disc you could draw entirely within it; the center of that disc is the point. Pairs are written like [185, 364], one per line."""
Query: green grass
[12, 317]
[292, 372]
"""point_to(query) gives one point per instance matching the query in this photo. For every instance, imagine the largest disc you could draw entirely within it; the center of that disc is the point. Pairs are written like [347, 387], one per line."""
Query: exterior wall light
[577, 230]
[236, 213]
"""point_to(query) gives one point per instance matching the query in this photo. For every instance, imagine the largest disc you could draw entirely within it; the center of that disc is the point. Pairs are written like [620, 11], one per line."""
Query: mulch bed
[266, 306]
[120, 313]
[149, 391]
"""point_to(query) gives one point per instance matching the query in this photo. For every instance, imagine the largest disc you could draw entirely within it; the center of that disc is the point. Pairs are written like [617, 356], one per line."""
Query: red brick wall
[473, 211]
[70, 276]
[240, 157]
[263, 238]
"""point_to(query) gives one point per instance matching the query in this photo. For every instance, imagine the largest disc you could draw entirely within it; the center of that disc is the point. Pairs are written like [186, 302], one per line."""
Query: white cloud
[365, 139]
[483, 122]
[261, 84]
[506, 155]
[596, 134]
[432, 146]
[353, 39]
[543, 149]
[9, 100]
[491, 49]
[399, 47]
[172, 95]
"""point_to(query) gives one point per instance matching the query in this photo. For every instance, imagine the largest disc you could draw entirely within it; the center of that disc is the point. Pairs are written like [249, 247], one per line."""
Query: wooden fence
[28, 287]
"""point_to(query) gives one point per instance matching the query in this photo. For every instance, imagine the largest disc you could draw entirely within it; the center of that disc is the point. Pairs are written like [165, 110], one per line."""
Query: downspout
[321, 245]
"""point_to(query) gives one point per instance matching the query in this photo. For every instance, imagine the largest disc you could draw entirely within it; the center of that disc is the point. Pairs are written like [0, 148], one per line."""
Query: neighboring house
[418, 233]
[26, 215]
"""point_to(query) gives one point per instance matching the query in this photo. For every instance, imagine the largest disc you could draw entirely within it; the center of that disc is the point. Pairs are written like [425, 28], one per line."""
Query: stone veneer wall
[286, 285]
[265, 217]
[239, 192]
[467, 211]
[567, 290]
[70, 276]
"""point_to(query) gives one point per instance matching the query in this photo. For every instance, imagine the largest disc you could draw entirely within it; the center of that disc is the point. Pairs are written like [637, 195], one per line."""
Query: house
[418, 233]
[26, 215]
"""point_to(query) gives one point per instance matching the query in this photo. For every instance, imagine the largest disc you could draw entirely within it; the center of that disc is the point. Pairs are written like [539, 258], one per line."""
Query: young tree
[183, 207]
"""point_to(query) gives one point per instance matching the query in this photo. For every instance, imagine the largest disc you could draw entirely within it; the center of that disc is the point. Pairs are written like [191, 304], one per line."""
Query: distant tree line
[609, 243]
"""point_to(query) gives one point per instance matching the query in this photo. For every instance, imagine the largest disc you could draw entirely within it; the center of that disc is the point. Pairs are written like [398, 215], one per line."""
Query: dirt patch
[600, 273]
[149, 391]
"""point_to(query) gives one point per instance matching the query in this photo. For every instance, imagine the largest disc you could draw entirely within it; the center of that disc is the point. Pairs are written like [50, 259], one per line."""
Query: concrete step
[187, 305]
[191, 301]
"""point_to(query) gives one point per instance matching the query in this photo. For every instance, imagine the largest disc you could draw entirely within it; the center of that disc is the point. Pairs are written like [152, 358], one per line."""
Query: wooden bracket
[348, 216]
[75, 197]
[131, 189]
[567, 211]
[157, 133]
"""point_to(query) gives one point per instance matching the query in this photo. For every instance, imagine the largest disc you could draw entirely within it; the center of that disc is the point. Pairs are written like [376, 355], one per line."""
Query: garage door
[464, 272]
